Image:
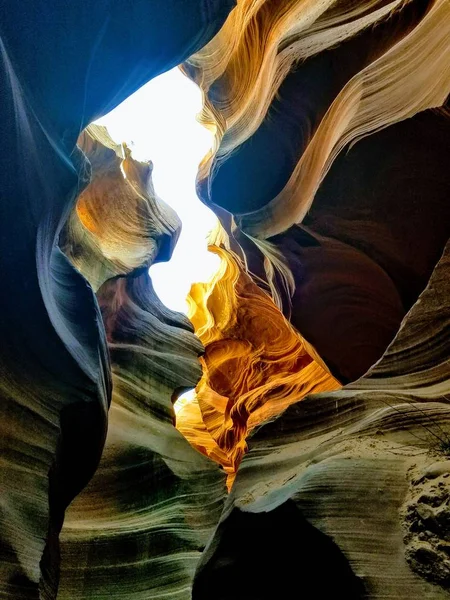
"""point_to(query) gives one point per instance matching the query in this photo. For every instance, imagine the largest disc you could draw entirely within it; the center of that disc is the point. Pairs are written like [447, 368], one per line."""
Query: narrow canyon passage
[147, 470]
[224, 342]
[346, 287]
[255, 364]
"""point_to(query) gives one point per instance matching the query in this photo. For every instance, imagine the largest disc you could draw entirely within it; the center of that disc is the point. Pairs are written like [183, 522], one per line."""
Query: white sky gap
[158, 123]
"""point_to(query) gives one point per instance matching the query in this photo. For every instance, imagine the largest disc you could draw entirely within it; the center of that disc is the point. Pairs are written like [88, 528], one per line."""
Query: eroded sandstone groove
[321, 362]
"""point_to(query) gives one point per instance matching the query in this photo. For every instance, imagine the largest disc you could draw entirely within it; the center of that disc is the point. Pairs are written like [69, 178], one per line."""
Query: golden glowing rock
[255, 364]
[365, 467]
[329, 174]
[241, 72]
[119, 223]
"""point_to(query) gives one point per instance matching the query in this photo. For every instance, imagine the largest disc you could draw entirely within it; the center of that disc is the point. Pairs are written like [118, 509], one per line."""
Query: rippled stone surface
[329, 174]
[254, 366]
[154, 500]
[61, 66]
[329, 168]
[353, 462]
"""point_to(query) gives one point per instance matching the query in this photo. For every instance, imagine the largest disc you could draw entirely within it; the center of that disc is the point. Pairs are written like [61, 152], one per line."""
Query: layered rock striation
[61, 66]
[254, 366]
[321, 360]
[332, 116]
[153, 501]
[364, 467]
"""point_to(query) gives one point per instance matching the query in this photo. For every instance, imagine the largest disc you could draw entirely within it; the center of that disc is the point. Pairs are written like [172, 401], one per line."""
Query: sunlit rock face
[329, 116]
[321, 362]
[61, 66]
[119, 224]
[329, 174]
[254, 366]
[154, 500]
[366, 465]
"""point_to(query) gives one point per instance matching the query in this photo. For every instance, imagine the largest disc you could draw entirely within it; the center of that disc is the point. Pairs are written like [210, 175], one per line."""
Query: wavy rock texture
[352, 463]
[138, 529]
[255, 67]
[55, 381]
[153, 502]
[119, 224]
[343, 302]
[254, 366]
[329, 174]
[328, 163]
[61, 66]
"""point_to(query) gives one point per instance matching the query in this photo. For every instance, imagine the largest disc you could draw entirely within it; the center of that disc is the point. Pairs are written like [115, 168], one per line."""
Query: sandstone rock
[329, 174]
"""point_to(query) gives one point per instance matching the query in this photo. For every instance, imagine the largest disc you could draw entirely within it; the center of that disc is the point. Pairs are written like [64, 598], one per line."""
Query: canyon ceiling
[313, 460]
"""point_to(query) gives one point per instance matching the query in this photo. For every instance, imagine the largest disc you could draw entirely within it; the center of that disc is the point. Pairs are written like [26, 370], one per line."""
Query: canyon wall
[313, 457]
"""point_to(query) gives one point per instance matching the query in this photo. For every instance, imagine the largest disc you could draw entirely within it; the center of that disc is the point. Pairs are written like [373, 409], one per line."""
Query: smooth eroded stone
[61, 66]
[350, 461]
[138, 529]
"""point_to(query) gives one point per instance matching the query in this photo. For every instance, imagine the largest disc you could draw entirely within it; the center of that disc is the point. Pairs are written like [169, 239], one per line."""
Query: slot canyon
[312, 458]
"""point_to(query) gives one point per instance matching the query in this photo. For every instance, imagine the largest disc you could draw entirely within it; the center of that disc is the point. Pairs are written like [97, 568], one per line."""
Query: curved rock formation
[329, 174]
[61, 65]
[352, 462]
[255, 365]
[300, 96]
[389, 73]
[153, 501]
[342, 301]
[119, 224]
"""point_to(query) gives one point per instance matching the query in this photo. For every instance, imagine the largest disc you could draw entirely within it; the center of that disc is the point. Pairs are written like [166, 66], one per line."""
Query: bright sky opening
[158, 123]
